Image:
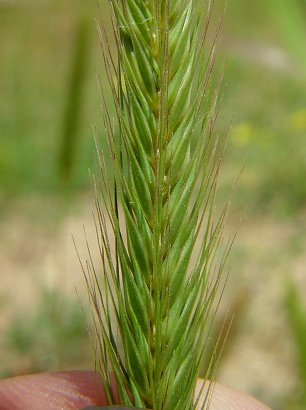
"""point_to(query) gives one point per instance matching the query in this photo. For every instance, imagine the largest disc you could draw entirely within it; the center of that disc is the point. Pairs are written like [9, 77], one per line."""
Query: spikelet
[155, 302]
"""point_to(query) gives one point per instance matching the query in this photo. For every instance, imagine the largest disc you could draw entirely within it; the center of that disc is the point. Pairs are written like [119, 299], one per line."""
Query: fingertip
[225, 398]
[52, 391]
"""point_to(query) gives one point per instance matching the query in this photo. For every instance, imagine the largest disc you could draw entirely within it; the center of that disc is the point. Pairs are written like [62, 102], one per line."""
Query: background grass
[264, 97]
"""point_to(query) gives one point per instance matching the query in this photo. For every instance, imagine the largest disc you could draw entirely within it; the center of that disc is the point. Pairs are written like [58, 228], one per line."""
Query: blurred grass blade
[297, 320]
[74, 101]
[290, 16]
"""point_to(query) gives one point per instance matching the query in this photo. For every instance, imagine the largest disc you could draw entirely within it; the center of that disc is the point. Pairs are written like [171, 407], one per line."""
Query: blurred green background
[50, 57]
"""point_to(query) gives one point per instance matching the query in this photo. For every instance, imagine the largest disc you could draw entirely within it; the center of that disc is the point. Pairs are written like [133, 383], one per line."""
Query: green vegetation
[35, 77]
[297, 318]
[45, 336]
[163, 279]
[75, 101]
[290, 18]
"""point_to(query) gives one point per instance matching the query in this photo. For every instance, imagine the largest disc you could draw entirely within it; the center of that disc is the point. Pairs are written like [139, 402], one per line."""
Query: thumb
[226, 398]
[52, 391]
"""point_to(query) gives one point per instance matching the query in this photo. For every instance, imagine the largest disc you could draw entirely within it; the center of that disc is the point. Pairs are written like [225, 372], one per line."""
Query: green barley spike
[156, 233]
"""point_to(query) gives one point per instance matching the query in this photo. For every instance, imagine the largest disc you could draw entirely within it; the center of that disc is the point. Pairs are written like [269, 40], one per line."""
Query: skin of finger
[225, 398]
[80, 389]
[52, 391]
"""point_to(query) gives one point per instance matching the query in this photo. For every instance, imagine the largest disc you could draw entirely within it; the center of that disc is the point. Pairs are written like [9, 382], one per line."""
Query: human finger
[78, 389]
[225, 398]
[52, 391]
